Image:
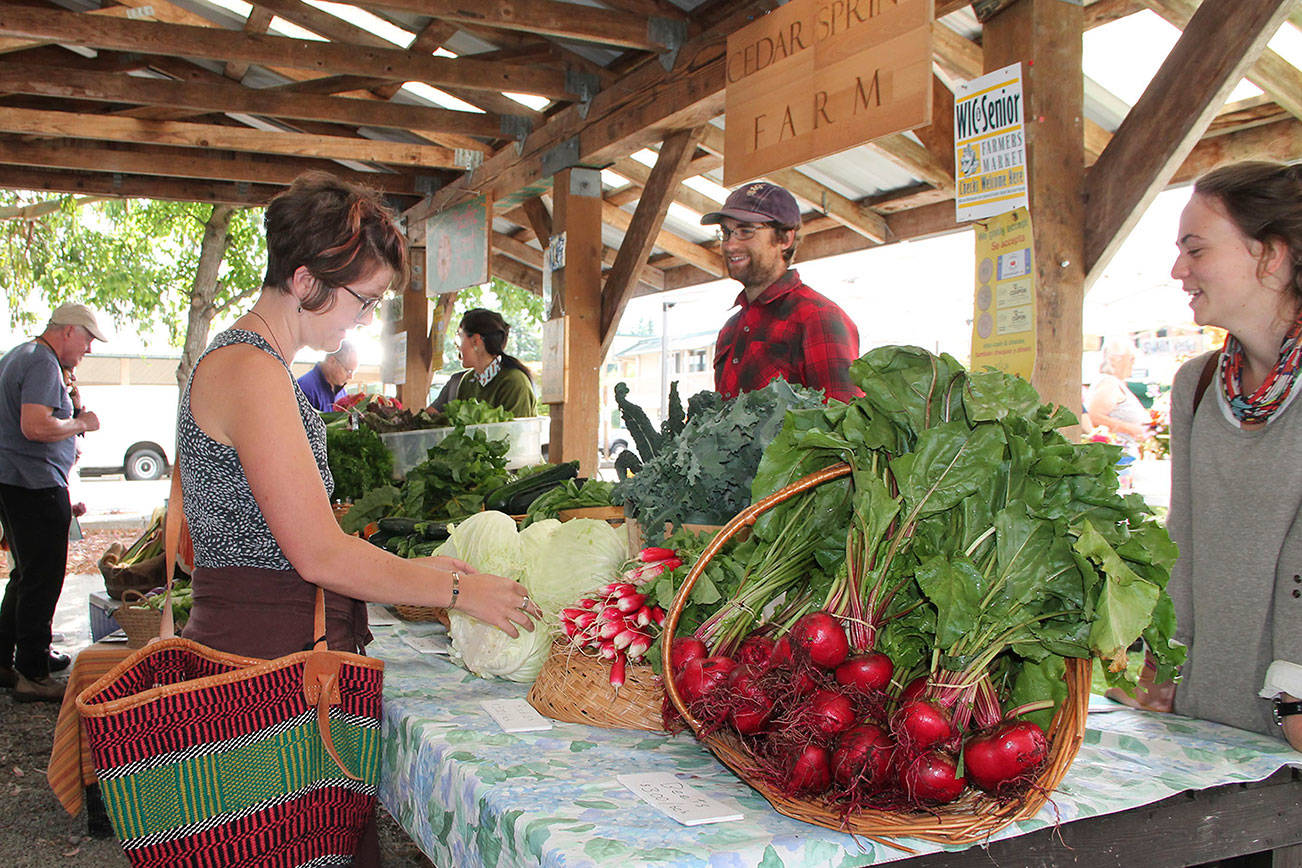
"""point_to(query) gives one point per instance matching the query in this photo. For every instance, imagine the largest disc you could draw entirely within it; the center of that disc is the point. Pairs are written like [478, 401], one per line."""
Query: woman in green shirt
[493, 375]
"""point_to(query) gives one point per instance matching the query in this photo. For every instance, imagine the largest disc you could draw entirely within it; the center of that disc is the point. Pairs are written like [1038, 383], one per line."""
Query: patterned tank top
[226, 523]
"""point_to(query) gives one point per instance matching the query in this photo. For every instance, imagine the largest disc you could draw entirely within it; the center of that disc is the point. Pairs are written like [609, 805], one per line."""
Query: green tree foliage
[134, 259]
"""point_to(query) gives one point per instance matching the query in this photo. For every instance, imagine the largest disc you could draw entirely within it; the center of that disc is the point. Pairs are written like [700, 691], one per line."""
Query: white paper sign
[436, 644]
[990, 145]
[515, 715]
[680, 801]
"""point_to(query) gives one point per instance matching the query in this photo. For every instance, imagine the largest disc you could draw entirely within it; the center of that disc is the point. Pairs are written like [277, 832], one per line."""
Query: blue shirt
[30, 374]
[319, 393]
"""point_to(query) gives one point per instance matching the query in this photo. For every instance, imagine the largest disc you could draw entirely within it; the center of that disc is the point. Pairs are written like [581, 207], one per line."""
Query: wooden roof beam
[1281, 80]
[1103, 12]
[201, 97]
[257, 22]
[542, 17]
[645, 228]
[635, 112]
[216, 43]
[133, 187]
[198, 164]
[1223, 39]
[130, 130]
[688, 251]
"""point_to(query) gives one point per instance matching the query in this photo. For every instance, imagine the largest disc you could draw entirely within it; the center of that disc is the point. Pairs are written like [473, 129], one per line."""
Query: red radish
[932, 779]
[617, 673]
[630, 603]
[685, 649]
[756, 650]
[921, 724]
[914, 689]
[637, 648]
[654, 553]
[863, 757]
[811, 773]
[822, 638]
[830, 712]
[751, 705]
[866, 672]
[702, 675]
[1005, 755]
[781, 653]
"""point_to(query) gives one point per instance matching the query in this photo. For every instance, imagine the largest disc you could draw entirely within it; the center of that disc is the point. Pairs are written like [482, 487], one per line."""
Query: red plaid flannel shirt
[790, 331]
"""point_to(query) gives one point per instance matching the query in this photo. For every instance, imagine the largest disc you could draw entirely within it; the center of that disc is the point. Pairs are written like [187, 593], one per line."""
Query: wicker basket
[138, 619]
[423, 613]
[973, 818]
[575, 687]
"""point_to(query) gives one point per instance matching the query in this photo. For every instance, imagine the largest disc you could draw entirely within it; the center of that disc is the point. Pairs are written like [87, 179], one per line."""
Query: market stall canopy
[229, 101]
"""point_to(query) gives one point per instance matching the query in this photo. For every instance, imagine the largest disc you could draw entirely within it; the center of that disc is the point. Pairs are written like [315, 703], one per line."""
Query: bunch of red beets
[821, 720]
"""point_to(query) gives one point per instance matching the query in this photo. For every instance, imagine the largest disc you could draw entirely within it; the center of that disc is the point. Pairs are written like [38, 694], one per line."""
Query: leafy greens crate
[410, 448]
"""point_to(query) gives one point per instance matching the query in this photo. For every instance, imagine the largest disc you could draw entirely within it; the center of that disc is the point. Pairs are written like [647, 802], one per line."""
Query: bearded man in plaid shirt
[784, 328]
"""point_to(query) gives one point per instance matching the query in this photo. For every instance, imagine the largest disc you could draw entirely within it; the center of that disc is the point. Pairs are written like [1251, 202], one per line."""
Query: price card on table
[515, 715]
[436, 644]
[664, 792]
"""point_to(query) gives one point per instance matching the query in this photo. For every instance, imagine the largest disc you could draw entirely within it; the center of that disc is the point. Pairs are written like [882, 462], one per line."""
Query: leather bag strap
[1204, 380]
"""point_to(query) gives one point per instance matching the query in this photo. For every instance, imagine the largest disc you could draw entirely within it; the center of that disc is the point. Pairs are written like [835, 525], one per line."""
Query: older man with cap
[324, 384]
[38, 433]
[784, 328]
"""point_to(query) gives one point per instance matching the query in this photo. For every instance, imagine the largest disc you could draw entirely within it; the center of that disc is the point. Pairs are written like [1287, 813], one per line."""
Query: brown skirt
[265, 613]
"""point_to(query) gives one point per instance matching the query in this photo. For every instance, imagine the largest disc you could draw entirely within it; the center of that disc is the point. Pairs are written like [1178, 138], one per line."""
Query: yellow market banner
[1003, 320]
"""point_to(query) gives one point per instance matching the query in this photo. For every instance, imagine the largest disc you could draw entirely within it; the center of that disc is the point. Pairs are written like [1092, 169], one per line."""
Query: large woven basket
[423, 613]
[575, 687]
[974, 817]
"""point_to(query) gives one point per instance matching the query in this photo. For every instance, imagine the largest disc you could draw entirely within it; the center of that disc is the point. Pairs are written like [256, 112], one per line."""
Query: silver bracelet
[456, 589]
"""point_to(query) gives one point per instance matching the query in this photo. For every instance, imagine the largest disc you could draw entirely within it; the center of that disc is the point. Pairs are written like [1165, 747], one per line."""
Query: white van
[137, 433]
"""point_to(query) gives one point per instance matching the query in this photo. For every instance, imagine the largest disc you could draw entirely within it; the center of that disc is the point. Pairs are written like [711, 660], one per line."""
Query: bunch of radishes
[616, 621]
[823, 719]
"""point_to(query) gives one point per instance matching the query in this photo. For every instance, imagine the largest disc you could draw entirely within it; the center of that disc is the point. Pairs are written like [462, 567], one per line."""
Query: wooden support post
[1045, 35]
[438, 329]
[415, 322]
[576, 295]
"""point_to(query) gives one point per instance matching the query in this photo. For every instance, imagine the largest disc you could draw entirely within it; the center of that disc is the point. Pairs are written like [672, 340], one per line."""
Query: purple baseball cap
[760, 202]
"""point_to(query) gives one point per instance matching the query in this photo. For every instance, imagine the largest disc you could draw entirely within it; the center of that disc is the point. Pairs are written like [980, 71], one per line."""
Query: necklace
[271, 334]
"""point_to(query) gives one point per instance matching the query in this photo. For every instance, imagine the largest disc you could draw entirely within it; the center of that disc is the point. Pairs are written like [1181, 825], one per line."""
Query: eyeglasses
[368, 302]
[742, 233]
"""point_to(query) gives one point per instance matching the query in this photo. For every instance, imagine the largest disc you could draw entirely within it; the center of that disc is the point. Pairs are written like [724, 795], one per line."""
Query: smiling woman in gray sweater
[1236, 445]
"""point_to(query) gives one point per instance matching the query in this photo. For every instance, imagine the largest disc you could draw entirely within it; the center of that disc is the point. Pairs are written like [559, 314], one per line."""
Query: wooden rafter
[539, 218]
[178, 189]
[203, 97]
[543, 17]
[688, 251]
[198, 164]
[1281, 80]
[257, 22]
[218, 44]
[131, 130]
[1222, 40]
[645, 228]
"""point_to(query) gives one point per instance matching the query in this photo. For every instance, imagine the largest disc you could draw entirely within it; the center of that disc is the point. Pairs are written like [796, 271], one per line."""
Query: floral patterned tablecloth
[471, 795]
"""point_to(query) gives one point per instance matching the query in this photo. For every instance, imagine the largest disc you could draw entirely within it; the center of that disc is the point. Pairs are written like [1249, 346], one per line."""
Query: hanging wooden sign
[457, 247]
[816, 77]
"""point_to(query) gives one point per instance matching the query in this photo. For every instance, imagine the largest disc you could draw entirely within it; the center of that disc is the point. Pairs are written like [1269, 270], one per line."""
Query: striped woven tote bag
[211, 759]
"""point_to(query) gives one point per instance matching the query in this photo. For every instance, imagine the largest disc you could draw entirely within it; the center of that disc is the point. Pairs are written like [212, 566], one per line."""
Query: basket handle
[744, 519]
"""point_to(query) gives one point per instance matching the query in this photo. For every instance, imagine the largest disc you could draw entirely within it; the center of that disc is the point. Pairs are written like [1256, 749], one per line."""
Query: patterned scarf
[1270, 395]
[490, 372]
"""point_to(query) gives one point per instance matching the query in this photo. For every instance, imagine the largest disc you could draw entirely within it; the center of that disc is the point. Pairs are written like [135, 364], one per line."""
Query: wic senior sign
[818, 76]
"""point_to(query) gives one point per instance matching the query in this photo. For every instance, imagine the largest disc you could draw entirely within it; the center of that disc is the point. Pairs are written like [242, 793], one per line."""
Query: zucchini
[397, 525]
[509, 495]
[434, 531]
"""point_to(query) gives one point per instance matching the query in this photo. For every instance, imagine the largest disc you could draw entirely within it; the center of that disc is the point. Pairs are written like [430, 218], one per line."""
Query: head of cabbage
[555, 561]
